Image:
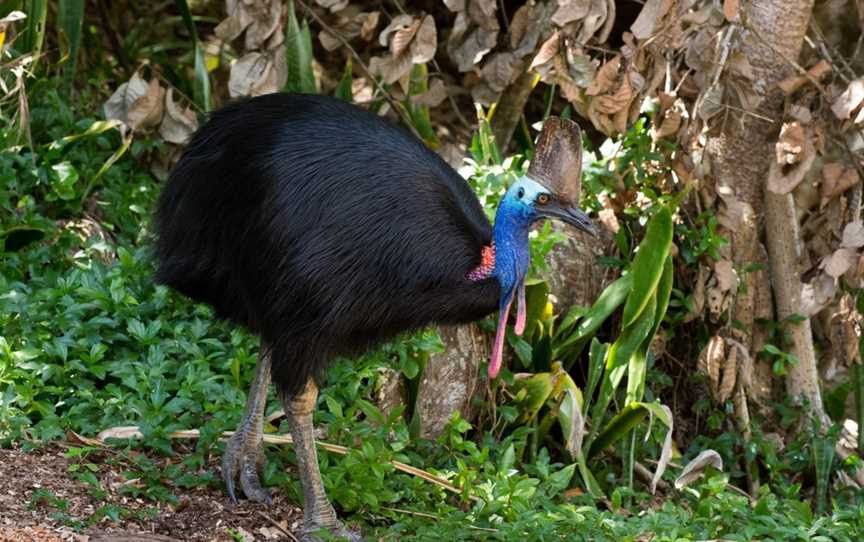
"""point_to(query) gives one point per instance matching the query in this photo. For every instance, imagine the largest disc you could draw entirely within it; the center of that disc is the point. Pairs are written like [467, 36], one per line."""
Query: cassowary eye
[543, 199]
[520, 193]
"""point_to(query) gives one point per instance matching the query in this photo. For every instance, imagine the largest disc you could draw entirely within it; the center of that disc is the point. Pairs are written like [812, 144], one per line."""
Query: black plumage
[321, 227]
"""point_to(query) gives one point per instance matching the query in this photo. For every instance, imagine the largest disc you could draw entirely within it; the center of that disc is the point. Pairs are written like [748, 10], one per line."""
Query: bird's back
[322, 227]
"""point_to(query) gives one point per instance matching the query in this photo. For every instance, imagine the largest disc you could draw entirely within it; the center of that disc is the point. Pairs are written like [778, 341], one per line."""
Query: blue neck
[512, 255]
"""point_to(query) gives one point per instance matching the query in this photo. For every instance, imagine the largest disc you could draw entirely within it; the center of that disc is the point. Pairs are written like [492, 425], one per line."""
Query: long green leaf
[623, 422]
[201, 88]
[648, 264]
[596, 355]
[71, 15]
[638, 367]
[617, 360]
[298, 55]
[33, 36]
[590, 482]
[609, 300]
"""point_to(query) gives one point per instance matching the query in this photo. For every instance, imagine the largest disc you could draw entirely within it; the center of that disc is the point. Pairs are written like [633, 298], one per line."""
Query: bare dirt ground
[40, 500]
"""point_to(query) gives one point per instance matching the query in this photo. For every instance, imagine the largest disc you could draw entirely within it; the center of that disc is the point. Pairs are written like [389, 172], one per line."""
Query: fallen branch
[132, 431]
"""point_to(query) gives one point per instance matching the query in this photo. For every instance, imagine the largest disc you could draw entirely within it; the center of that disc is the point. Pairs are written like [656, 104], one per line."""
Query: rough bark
[451, 379]
[740, 156]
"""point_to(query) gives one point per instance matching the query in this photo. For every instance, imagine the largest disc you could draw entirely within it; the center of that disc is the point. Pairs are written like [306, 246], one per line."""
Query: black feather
[321, 227]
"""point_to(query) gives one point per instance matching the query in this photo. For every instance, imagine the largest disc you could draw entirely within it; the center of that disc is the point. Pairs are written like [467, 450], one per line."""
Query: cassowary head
[550, 189]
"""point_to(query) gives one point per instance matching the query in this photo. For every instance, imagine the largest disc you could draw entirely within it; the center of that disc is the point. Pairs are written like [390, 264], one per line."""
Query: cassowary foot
[243, 460]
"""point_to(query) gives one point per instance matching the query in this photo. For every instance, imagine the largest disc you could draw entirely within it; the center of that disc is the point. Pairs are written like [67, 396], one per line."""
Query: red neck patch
[487, 264]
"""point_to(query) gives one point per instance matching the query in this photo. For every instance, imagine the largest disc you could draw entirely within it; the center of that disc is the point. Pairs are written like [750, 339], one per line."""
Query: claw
[243, 459]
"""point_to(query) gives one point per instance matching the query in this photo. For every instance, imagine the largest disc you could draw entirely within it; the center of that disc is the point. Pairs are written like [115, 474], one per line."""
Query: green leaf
[573, 315]
[418, 84]
[596, 355]
[201, 88]
[536, 297]
[33, 35]
[558, 481]
[533, 393]
[648, 264]
[609, 300]
[298, 55]
[63, 179]
[70, 14]
[343, 89]
[638, 366]
[619, 426]
[371, 411]
[617, 360]
[590, 482]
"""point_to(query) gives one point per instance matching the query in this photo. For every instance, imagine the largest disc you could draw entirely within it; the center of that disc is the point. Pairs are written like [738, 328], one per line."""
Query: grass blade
[201, 87]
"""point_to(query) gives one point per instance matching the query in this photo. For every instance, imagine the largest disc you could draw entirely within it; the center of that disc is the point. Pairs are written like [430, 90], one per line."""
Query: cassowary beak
[572, 215]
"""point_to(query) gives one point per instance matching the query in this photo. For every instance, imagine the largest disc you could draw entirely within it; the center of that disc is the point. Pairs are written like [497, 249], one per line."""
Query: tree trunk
[740, 154]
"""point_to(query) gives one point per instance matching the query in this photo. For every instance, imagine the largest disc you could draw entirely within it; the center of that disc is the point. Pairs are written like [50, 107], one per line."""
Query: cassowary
[325, 229]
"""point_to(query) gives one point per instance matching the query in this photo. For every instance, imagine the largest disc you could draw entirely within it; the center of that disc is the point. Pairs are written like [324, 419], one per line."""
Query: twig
[132, 431]
[433, 516]
[392, 101]
[742, 111]
[283, 530]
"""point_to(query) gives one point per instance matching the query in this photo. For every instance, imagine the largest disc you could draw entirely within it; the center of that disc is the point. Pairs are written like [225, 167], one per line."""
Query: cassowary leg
[318, 513]
[244, 453]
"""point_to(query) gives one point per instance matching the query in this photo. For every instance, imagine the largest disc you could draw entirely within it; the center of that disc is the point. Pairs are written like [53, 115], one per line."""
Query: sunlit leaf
[647, 267]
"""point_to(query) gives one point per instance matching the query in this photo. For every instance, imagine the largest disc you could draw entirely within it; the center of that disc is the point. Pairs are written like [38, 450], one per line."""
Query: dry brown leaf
[606, 78]
[727, 278]
[849, 100]
[426, 41]
[402, 37]
[790, 144]
[730, 371]
[711, 360]
[570, 10]
[647, 22]
[333, 5]
[146, 112]
[794, 82]
[839, 262]
[391, 69]
[399, 22]
[501, 70]
[177, 124]
[693, 470]
[469, 43]
[817, 294]
[836, 179]
[547, 51]
[117, 106]
[370, 24]
[666, 452]
[797, 155]
[730, 9]
[257, 73]
[433, 97]
[853, 235]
